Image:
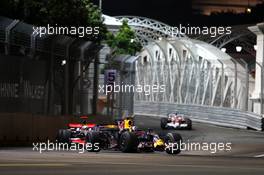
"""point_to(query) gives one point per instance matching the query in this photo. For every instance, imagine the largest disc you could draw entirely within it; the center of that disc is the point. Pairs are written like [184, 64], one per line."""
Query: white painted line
[172, 165]
[32, 165]
[258, 156]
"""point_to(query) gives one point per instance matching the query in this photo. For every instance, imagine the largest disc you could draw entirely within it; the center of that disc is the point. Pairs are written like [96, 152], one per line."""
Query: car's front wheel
[173, 141]
[189, 123]
[93, 138]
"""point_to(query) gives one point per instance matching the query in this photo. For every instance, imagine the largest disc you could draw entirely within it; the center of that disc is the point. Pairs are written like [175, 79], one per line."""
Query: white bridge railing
[227, 117]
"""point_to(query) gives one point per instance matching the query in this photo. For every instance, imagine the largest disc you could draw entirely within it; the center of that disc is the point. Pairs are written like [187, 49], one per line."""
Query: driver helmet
[172, 115]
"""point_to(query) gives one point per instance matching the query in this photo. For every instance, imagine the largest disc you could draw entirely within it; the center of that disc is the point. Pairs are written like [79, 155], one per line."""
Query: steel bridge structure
[194, 71]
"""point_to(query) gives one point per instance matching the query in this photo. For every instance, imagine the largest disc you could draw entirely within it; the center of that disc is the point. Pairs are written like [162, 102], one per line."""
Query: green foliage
[124, 41]
[65, 13]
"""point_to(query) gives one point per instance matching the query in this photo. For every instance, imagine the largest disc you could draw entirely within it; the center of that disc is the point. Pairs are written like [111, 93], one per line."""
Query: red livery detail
[75, 125]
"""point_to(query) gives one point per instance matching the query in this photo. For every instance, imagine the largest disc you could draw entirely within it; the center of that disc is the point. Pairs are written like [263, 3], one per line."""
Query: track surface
[246, 146]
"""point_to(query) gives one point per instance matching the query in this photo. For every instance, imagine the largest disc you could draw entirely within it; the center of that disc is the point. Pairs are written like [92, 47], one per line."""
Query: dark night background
[169, 11]
[175, 12]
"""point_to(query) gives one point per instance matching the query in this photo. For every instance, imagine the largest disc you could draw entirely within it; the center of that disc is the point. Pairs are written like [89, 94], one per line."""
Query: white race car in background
[176, 121]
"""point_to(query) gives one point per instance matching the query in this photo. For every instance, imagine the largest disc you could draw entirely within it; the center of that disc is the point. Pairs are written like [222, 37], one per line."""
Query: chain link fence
[51, 74]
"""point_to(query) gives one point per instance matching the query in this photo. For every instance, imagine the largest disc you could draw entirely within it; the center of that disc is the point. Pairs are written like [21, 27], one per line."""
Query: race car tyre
[163, 123]
[128, 142]
[173, 140]
[189, 123]
[59, 135]
[93, 138]
[64, 136]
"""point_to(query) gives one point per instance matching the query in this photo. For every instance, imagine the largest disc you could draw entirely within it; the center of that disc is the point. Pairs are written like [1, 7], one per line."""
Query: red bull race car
[176, 121]
[123, 136]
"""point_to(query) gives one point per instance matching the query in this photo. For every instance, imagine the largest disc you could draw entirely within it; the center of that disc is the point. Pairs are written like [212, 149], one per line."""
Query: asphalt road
[245, 157]
[247, 143]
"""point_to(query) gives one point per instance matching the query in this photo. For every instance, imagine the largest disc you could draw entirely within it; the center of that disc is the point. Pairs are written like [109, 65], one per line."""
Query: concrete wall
[21, 129]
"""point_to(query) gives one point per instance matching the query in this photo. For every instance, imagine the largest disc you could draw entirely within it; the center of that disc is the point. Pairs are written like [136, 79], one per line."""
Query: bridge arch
[193, 71]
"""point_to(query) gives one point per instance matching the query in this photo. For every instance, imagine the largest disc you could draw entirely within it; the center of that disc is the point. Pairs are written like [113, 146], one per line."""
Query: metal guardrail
[20, 35]
[64, 57]
[205, 114]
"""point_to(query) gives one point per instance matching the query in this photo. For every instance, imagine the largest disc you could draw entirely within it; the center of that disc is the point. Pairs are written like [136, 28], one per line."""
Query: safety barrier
[22, 129]
[206, 114]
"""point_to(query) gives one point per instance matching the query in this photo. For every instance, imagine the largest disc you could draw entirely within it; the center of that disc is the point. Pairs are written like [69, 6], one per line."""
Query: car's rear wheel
[163, 123]
[93, 138]
[64, 136]
[128, 142]
[173, 140]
